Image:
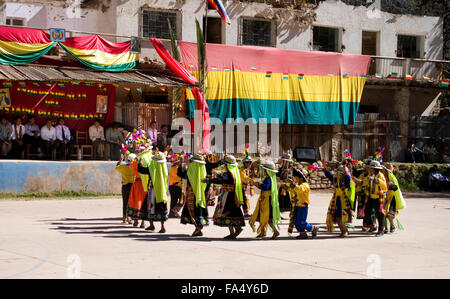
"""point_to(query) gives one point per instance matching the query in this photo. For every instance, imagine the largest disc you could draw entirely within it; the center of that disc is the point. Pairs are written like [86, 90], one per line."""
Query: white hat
[132, 157]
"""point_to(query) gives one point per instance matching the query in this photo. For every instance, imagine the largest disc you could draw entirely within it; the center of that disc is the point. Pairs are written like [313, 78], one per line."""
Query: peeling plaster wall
[47, 176]
[123, 18]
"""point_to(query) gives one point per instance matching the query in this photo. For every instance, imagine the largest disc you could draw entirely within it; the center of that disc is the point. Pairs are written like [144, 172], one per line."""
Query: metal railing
[417, 68]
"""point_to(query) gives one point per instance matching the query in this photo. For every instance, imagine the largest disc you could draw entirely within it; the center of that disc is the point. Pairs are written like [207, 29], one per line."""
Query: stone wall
[48, 176]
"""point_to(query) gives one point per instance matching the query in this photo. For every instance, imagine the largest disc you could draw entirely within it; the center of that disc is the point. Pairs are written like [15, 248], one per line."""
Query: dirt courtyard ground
[85, 238]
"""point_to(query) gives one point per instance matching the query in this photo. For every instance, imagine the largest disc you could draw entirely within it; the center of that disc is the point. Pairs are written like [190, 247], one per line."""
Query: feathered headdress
[378, 156]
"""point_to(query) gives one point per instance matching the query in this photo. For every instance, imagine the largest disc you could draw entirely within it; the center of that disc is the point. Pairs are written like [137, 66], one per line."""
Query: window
[14, 21]
[326, 39]
[409, 46]
[154, 23]
[214, 30]
[256, 33]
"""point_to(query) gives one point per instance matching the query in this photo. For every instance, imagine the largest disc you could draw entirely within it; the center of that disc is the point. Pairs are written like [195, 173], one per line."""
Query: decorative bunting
[394, 75]
[300, 76]
[444, 83]
[408, 77]
[253, 68]
[378, 76]
[345, 76]
[426, 78]
[268, 74]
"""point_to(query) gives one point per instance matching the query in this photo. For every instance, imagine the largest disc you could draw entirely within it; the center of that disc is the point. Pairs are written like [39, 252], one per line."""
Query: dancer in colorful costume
[158, 192]
[137, 193]
[340, 209]
[246, 182]
[175, 187]
[375, 198]
[395, 200]
[267, 210]
[195, 210]
[299, 189]
[228, 211]
[128, 178]
[285, 173]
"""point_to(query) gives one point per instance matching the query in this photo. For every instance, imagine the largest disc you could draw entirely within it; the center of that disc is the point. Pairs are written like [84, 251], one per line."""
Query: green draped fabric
[276, 216]
[196, 173]
[158, 173]
[18, 59]
[399, 200]
[237, 182]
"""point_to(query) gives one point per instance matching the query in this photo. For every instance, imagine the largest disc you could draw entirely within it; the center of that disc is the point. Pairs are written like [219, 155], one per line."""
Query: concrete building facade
[396, 40]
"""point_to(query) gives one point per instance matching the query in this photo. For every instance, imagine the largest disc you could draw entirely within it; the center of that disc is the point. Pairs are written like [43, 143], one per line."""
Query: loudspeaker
[305, 154]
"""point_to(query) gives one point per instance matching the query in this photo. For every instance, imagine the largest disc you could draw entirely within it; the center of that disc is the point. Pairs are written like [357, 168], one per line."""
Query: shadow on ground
[113, 228]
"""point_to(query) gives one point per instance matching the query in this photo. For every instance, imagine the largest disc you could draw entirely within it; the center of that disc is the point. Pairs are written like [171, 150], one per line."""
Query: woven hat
[132, 157]
[300, 173]
[269, 165]
[375, 165]
[197, 158]
[287, 157]
[230, 160]
[159, 157]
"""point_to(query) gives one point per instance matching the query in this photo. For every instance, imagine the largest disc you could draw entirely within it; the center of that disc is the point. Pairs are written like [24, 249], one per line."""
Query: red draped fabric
[184, 74]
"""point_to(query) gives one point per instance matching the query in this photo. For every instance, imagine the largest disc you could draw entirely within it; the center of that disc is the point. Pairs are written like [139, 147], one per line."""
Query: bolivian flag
[20, 45]
[101, 54]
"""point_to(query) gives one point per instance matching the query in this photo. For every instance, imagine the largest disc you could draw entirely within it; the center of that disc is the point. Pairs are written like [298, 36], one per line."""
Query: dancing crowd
[157, 185]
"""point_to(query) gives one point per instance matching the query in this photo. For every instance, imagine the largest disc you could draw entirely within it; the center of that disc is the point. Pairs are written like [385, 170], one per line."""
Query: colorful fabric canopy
[101, 54]
[184, 74]
[297, 87]
[217, 5]
[20, 45]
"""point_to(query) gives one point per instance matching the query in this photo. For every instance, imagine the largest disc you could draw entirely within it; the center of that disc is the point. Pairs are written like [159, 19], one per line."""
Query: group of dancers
[366, 190]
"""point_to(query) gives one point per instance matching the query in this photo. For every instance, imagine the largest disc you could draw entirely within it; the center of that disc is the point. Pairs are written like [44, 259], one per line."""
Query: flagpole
[205, 35]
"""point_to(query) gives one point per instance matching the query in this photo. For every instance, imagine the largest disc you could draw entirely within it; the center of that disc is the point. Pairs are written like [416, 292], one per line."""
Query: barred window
[154, 23]
[325, 39]
[256, 33]
[408, 46]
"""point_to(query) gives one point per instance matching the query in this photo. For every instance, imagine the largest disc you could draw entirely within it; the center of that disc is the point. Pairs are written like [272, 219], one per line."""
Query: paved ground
[47, 239]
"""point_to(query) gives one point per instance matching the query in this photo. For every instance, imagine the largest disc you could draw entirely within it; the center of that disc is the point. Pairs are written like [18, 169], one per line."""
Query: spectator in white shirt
[18, 131]
[48, 135]
[32, 134]
[5, 136]
[152, 133]
[97, 136]
[63, 140]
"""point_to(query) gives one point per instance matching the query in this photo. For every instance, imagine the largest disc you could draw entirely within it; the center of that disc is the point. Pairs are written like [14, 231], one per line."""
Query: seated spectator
[114, 141]
[48, 136]
[430, 153]
[5, 137]
[63, 140]
[415, 154]
[97, 137]
[436, 180]
[152, 133]
[18, 131]
[32, 134]
[163, 138]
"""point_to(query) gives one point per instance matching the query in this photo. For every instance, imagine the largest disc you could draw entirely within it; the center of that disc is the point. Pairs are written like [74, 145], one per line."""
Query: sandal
[162, 231]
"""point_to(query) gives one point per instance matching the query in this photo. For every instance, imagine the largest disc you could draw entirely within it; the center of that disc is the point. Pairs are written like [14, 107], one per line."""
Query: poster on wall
[102, 103]
[5, 98]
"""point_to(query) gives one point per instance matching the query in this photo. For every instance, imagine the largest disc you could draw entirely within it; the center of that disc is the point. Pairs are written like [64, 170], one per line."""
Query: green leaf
[175, 49]
[200, 55]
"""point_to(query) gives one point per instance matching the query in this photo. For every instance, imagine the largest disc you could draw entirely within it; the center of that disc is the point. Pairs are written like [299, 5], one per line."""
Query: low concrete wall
[46, 176]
